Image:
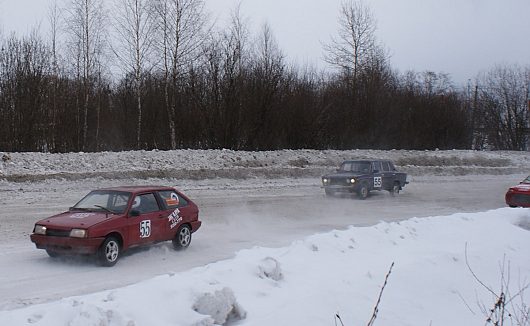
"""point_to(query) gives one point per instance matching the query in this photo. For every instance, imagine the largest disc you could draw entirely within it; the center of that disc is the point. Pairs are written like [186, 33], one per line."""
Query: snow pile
[204, 164]
[341, 272]
[221, 306]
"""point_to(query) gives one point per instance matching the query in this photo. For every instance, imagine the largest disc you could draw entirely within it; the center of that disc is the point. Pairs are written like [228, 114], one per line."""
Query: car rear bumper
[67, 245]
[195, 225]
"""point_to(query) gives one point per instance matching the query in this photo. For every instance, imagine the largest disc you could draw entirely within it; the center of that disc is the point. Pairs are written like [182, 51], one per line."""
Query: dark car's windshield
[357, 167]
[106, 200]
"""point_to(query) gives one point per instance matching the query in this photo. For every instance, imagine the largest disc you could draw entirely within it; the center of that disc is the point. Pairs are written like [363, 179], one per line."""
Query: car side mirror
[134, 213]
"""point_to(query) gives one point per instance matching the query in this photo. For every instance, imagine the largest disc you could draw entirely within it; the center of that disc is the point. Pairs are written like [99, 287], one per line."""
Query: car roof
[137, 189]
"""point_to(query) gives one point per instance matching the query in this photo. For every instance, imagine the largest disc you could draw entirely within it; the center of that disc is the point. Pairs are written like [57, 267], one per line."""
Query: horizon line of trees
[183, 83]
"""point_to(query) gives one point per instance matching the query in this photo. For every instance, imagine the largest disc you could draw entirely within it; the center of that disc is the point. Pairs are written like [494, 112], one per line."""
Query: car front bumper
[339, 188]
[67, 245]
[518, 199]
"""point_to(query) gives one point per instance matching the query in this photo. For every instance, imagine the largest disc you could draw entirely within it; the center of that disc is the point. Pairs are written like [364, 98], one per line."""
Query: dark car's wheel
[109, 252]
[395, 189]
[182, 239]
[53, 254]
[363, 191]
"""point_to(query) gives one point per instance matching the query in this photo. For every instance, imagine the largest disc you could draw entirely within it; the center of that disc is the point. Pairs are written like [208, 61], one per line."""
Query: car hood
[343, 175]
[523, 187]
[76, 219]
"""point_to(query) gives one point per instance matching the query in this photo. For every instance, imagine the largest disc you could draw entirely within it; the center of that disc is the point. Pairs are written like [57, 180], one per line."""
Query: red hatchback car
[108, 221]
[519, 196]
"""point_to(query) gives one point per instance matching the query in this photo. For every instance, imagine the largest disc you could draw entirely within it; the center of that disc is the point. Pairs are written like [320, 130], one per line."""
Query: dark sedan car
[363, 176]
[108, 221]
[519, 196]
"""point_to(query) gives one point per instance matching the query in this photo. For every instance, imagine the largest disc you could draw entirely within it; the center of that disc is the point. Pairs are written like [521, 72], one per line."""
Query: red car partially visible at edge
[519, 196]
[108, 221]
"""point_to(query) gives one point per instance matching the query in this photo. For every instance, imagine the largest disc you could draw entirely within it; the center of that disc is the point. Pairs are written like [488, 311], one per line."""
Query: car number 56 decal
[145, 229]
[377, 182]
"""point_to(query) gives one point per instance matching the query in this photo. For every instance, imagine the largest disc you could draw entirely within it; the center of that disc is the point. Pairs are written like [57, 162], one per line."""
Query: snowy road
[236, 215]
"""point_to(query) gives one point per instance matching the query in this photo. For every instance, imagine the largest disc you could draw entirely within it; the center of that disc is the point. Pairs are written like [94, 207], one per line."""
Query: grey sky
[459, 37]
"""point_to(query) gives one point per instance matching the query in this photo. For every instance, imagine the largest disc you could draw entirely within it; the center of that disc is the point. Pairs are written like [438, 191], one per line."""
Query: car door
[388, 175]
[377, 175]
[145, 220]
[176, 211]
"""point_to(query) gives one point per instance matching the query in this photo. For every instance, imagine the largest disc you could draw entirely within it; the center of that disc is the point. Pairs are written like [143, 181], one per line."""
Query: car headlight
[325, 180]
[352, 180]
[39, 229]
[78, 233]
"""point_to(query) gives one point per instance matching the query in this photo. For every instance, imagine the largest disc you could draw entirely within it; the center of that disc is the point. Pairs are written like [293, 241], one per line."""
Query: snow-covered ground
[273, 249]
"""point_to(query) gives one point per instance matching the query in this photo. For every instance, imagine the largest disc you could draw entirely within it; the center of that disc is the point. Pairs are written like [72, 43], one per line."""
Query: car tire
[52, 254]
[395, 189]
[513, 206]
[109, 252]
[363, 191]
[182, 239]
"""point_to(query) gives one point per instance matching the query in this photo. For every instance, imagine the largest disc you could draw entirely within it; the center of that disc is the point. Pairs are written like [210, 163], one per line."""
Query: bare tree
[268, 70]
[55, 21]
[135, 39]
[87, 35]
[355, 44]
[180, 25]
[502, 102]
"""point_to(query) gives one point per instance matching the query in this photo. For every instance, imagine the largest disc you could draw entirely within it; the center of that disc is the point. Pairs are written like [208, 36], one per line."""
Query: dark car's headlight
[325, 181]
[78, 233]
[352, 180]
[39, 229]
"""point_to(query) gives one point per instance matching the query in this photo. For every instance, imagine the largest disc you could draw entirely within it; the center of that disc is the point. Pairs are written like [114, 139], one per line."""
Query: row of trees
[157, 74]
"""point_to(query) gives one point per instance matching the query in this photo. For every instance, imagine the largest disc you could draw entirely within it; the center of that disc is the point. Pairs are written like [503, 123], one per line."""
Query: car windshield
[359, 167]
[104, 200]
[527, 180]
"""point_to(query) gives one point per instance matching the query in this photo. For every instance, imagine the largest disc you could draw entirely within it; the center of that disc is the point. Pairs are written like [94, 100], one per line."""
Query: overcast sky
[458, 37]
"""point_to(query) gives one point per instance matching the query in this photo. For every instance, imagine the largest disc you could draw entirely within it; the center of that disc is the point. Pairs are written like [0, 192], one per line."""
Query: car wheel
[329, 192]
[182, 239]
[51, 253]
[395, 189]
[513, 206]
[109, 252]
[363, 191]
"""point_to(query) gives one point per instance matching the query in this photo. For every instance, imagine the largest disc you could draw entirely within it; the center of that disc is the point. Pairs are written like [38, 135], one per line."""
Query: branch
[376, 308]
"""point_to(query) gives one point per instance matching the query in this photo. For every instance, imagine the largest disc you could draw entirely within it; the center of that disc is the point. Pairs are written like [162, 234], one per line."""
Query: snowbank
[310, 281]
[204, 164]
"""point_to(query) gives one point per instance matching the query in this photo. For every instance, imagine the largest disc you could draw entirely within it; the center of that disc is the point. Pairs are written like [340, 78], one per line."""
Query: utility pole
[475, 142]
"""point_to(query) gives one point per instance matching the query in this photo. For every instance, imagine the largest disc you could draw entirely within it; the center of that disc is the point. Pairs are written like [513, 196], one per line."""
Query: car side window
[376, 166]
[386, 166]
[392, 167]
[172, 199]
[145, 203]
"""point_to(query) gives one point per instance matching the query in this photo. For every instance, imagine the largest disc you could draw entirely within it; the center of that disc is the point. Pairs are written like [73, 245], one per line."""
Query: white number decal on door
[145, 229]
[378, 182]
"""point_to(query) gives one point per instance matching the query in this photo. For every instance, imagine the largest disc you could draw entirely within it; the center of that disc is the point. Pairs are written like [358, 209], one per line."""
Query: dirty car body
[519, 196]
[363, 176]
[108, 221]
